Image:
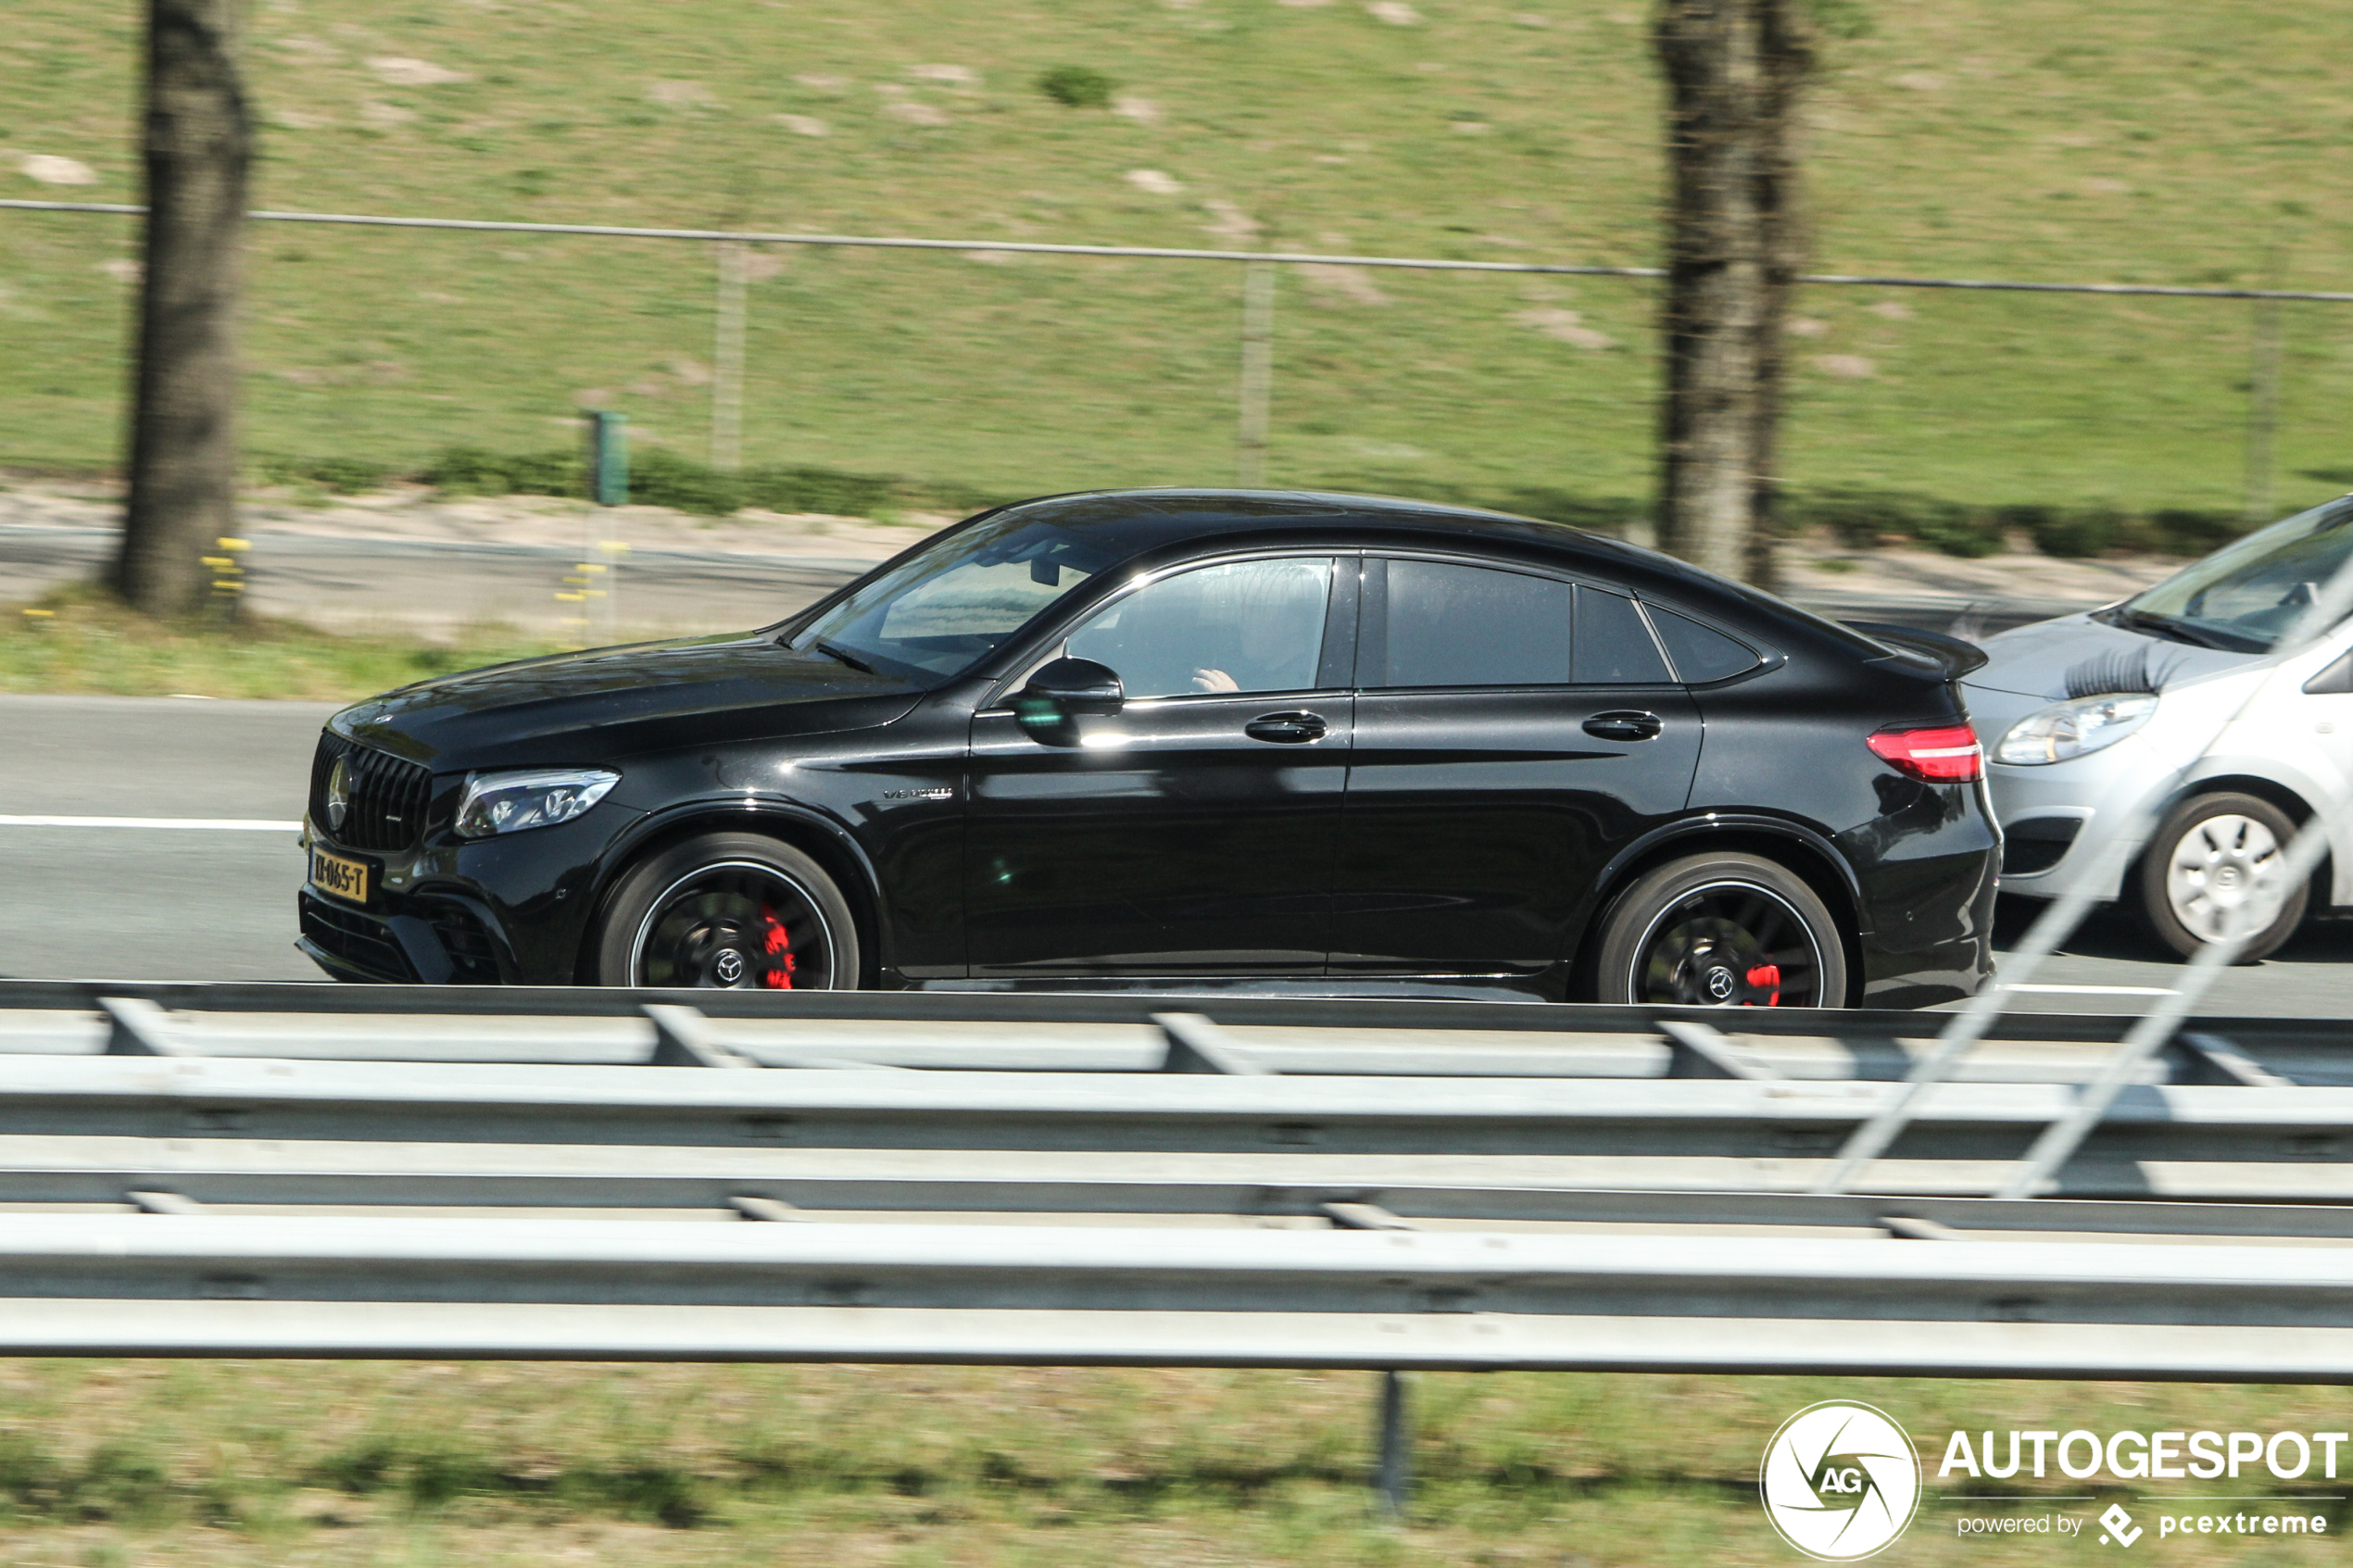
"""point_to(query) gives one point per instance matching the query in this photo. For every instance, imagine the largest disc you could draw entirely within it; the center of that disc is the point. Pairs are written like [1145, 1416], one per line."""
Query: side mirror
[1063, 690]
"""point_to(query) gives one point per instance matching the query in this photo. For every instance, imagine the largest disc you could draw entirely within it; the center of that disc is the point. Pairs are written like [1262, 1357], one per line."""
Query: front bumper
[507, 910]
[398, 940]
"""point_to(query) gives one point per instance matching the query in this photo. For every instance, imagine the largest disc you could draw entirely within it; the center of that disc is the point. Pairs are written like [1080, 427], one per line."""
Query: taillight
[1948, 754]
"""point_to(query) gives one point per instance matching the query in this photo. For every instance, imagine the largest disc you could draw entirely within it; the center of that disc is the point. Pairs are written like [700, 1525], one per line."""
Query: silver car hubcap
[2214, 872]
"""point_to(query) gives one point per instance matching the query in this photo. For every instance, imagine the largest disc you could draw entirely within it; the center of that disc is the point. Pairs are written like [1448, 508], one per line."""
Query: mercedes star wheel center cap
[1720, 982]
[728, 967]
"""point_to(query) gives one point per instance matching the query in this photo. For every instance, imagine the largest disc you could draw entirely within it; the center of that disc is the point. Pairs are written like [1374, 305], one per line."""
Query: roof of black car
[1129, 524]
[1136, 522]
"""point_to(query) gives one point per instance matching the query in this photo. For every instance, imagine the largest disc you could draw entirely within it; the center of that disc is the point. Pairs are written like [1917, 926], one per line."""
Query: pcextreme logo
[1839, 1481]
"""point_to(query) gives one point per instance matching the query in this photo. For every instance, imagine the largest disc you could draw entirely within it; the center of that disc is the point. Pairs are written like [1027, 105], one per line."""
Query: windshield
[2244, 597]
[939, 612]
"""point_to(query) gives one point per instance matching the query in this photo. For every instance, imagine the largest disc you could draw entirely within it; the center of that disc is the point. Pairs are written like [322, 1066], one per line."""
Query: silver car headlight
[536, 797]
[2074, 728]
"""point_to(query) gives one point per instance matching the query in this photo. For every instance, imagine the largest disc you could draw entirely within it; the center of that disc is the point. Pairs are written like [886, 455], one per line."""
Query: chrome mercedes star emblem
[1719, 984]
[338, 793]
[728, 967]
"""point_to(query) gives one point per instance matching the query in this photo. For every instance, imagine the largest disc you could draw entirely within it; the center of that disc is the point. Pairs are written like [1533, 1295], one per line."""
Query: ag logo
[1839, 1481]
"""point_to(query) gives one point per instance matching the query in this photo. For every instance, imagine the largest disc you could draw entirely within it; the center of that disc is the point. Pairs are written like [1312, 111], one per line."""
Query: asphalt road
[138, 902]
[123, 901]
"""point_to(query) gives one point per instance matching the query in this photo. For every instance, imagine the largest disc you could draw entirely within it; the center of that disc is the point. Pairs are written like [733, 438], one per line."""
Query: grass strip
[352, 1463]
[83, 640]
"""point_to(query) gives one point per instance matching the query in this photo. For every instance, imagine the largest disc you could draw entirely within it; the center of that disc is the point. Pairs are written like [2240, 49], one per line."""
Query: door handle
[1286, 729]
[1625, 724]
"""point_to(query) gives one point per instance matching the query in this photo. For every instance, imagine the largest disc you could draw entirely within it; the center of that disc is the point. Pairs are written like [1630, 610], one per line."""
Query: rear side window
[1614, 648]
[1473, 626]
[1701, 653]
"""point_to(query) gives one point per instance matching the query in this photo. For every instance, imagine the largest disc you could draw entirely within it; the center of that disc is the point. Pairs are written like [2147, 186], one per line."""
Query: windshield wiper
[831, 651]
[2184, 632]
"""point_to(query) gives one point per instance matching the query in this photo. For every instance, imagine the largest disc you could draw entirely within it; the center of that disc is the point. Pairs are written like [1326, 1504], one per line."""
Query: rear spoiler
[1952, 655]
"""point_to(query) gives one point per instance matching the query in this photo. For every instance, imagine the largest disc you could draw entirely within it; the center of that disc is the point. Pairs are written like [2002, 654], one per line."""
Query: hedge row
[1858, 518]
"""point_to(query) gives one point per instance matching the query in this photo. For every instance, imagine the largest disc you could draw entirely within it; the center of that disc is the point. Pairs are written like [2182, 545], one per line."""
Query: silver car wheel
[2214, 871]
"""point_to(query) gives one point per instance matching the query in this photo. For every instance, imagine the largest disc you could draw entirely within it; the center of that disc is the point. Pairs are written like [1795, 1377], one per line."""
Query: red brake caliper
[1767, 978]
[777, 945]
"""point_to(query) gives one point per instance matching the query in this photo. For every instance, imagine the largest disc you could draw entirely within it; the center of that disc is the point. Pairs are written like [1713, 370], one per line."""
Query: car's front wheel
[2210, 858]
[732, 910]
[1721, 930]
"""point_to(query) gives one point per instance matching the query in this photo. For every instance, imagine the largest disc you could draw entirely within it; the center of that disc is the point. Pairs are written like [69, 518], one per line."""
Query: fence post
[727, 359]
[1394, 1474]
[1258, 373]
[2263, 406]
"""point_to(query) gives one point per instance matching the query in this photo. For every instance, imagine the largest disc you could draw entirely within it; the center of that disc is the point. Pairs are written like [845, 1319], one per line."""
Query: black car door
[1192, 832]
[1514, 732]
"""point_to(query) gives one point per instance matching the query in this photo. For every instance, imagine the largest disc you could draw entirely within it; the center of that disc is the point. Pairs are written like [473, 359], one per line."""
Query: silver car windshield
[2244, 597]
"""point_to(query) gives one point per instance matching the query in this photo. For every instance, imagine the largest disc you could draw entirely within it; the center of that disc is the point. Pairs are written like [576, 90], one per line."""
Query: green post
[608, 458]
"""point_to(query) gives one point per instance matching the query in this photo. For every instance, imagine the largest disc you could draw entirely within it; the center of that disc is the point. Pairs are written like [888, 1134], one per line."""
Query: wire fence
[1255, 382]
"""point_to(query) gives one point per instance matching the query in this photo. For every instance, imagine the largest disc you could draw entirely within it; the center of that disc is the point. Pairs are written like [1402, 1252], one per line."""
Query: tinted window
[1614, 648]
[1248, 626]
[1701, 653]
[1470, 626]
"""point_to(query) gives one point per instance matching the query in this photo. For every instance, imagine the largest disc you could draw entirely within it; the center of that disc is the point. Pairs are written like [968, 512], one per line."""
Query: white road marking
[2098, 990]
[216, 824]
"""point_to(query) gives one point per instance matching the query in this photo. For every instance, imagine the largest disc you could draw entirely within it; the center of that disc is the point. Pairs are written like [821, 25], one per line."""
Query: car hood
[577, 709]
[2035, 660]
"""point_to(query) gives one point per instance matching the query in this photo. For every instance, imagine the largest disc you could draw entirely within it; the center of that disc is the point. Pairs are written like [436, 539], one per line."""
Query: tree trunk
[184, 446]
[1734, 69]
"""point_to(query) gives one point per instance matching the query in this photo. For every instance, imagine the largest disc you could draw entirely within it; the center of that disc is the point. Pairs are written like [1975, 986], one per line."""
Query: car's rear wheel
[2210, 858]
[1721, 930]
[729, 910]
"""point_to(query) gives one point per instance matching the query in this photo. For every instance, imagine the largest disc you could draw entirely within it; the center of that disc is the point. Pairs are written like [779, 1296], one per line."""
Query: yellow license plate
[338, 877]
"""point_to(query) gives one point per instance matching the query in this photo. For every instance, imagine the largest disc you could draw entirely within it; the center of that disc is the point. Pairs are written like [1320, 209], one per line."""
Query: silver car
[2177, 706]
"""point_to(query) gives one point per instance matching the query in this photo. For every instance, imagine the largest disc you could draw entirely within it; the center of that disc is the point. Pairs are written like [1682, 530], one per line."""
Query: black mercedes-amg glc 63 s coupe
[1190, 739]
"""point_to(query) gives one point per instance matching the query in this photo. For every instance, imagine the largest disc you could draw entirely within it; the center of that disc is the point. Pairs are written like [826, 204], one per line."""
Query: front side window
[1244, 626]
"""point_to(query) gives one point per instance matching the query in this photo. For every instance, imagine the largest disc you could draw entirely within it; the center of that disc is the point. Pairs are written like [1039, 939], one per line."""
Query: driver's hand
[1213, 680]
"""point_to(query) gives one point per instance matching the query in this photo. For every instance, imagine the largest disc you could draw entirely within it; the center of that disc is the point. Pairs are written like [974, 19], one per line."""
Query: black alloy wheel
[1723, 930]
[733, 912]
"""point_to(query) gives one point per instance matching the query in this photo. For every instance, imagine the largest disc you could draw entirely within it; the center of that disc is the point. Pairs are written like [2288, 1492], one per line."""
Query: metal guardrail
[1656, 1102]
[182, 1285]
[280, 1171]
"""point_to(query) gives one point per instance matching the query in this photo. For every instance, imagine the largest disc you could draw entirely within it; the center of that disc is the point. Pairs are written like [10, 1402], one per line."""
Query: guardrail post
[1393, 1476]
[1698, 1051]
[138, 1027]
[681, 1038]
[1198, 1045]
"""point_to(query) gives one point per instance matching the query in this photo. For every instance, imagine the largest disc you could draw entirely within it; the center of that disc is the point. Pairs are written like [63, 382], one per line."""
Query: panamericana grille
[387, 795]
[471, 959]
[352, 937]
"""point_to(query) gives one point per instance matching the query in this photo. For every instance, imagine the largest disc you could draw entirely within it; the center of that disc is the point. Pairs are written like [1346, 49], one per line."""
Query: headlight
[538, 798]
[2074, 728]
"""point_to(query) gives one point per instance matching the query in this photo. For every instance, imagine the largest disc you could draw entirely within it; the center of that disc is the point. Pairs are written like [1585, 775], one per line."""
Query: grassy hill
[2046, 138]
